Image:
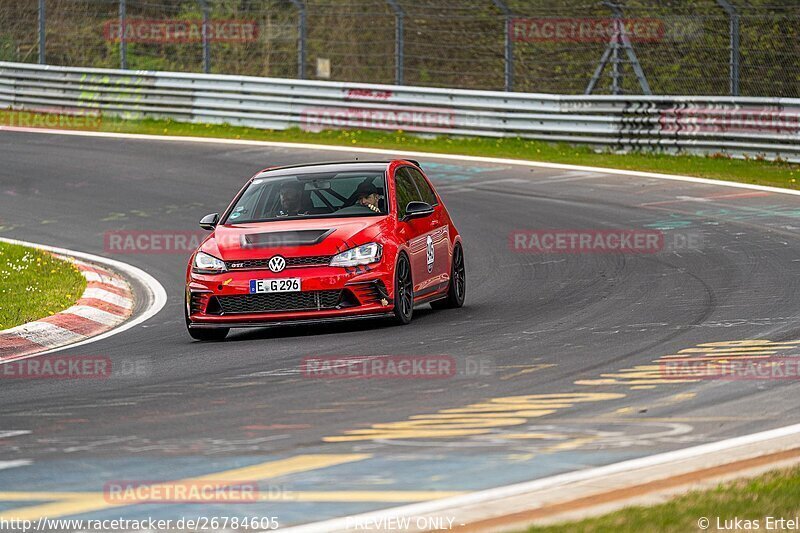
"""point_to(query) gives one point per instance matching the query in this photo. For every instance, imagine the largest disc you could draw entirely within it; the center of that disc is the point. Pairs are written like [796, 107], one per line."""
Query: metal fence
[735, 126]
[710, 47]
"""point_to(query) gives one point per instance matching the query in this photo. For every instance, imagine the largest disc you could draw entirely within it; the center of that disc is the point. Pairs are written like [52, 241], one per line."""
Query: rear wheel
[403, 291]
[457, 290]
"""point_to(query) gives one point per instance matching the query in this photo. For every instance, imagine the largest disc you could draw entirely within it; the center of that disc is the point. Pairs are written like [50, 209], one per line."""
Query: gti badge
[277, 263]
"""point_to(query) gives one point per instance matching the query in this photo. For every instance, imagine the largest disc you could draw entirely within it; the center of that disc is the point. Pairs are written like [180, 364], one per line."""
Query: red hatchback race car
[328, 241]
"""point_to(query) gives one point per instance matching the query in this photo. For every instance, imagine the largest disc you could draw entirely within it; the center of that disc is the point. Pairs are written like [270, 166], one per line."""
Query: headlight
[361, 255]
[207, 264]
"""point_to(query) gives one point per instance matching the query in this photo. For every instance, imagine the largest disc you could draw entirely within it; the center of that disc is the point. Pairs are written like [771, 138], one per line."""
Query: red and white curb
[104, 309]
[106, 302]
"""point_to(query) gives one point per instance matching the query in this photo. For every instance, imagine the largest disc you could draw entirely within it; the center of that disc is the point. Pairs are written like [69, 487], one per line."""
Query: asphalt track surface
[560, 324]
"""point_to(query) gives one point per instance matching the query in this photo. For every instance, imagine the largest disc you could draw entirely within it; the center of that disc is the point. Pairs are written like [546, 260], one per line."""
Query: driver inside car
[368, 196]
[290, 199]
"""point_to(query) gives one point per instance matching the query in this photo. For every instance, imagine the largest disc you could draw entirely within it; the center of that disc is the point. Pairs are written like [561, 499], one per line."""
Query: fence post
[123, 43]
[733, 19]
[399, 41]
[508, 53]
[42, 25]
[206, 49]
[301, 39]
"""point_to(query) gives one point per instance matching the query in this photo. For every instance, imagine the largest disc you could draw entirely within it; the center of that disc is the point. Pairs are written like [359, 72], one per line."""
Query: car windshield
[317, 195]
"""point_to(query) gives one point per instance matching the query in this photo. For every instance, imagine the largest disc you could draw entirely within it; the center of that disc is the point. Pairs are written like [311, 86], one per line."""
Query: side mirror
[209, 222]
[418, 210]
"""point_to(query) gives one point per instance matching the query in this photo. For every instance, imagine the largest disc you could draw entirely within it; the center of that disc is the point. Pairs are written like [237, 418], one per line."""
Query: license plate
[259, 286]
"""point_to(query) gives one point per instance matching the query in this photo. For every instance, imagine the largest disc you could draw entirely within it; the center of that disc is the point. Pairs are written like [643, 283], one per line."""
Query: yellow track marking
[390, 496]
[97, 501]
[18, 496]
[541, 436]
[360, 496]
[474, 419]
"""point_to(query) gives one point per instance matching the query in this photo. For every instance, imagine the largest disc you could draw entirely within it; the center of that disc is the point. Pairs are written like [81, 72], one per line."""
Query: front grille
[280, 301]
[291, 262]
[310, 260]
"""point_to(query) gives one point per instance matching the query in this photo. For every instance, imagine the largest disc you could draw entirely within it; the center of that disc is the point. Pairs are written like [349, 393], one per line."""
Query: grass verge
[34, 284]
[775, 494]
[761, 172]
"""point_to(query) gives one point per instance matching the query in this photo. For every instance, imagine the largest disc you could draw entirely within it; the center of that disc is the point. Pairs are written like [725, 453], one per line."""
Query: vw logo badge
[277, 263]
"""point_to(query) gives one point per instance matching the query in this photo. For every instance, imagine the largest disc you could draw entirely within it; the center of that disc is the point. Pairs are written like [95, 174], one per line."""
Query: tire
[215, 334]
[403, 291]
[457, 290]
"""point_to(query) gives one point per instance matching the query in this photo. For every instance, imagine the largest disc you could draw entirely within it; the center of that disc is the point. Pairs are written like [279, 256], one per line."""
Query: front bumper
[327, 293]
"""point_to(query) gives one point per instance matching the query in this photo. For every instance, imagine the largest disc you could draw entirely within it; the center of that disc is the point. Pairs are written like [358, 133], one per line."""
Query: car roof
[338, 166]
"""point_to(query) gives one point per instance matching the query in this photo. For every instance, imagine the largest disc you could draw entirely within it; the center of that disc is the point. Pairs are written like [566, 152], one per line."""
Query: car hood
[325, 236]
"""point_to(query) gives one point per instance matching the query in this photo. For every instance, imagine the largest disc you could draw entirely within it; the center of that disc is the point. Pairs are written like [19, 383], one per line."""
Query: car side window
[405, 192]
[424, 188]
[250, 206]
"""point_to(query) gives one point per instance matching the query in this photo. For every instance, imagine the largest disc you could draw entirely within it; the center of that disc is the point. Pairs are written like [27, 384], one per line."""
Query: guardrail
[752, 127]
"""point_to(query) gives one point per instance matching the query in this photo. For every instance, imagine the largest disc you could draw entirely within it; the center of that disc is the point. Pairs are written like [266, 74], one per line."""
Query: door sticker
[429, 252]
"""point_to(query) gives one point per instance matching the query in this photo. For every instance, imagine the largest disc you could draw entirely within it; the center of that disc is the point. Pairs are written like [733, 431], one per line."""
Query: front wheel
[403, 291]
[457, 290]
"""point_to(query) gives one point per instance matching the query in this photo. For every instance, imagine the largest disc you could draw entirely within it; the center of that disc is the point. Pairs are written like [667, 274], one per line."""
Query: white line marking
[108, 297]
[13, 433]
[156, 293]
[504, 180]
[5, 465]
[586, 176]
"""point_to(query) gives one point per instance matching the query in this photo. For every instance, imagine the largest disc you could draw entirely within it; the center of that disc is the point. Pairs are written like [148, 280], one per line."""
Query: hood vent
[277, 239]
